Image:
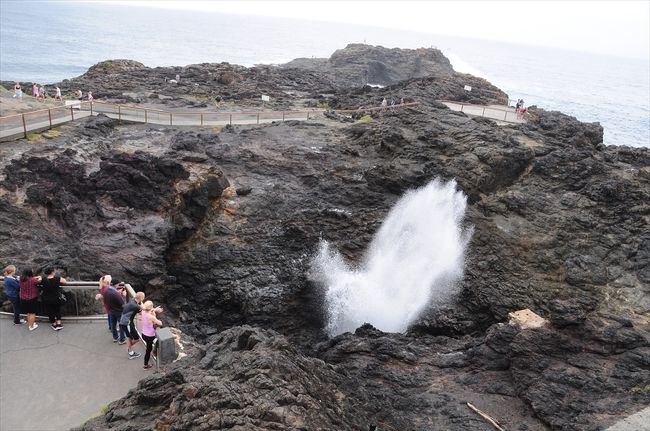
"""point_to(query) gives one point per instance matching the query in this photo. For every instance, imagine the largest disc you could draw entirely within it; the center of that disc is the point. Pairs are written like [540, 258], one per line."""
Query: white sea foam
[415, 258]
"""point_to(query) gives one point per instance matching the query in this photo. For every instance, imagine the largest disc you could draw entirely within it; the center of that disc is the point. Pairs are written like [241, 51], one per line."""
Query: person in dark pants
[127, 324]
[149, 324]
[114, 299]
[51, 296]
[12, 289]
[29, 285]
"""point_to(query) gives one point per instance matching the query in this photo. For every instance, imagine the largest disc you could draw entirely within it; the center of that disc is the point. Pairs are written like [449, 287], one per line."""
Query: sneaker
[33, 327]
[54, 327]
[121, 342]
[114, 340]
[21, 322]
[146, 367]
[59, 327]
[134, 355]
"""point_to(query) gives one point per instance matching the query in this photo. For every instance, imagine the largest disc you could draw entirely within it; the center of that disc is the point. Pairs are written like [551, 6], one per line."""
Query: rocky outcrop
[221, 225]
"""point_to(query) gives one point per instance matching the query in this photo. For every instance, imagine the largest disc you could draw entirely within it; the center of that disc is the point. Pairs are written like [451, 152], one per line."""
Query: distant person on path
[383, 104]
[127, 323]
[35, 91]
[149, 324]
[178, 78]
[521, 110]
[12, 289]
[392, 103]
[115, 301]
[58, 94]
[18, 91]
[90, 96]
[43, 92]
[29, 296]
[80, 95]
[51, 295]
[401, 101]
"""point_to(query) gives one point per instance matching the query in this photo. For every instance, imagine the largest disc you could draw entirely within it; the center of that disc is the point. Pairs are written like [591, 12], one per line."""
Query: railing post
[170, 118]
[24, 126]
[49, 115]
[461, 107]
[283, 116]
[119, 113]
[505, 113]
[258, 118]
[91, 109]
[71, 113]
[201, 120]
[483, 114]
[308, 115]
[231, 119]
[145, 116]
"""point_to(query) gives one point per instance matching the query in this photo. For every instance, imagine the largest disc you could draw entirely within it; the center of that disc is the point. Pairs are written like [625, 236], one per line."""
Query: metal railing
[21, 124]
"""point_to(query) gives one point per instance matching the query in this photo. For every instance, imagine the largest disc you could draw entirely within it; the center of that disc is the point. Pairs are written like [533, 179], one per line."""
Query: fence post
[505, 113]
[49, 115]
[91, 109]
[145, 116]
[231, 119]
[24, 126]
[461, 107]
[71, 113]
[170, 118]
[201, 120]
[483, 114]
[119, 113]
[258, 118]
[283, 116]
[308, 115]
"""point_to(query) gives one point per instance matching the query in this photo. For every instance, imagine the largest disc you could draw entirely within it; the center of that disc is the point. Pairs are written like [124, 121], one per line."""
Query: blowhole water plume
[415, 258]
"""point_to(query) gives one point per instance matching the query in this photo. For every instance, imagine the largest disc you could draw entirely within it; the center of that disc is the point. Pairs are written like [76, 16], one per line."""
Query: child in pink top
[149, 323]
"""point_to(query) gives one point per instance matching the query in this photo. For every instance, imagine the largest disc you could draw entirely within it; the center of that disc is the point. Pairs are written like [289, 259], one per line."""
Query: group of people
[385, 103]
[520, 109]
[121, 317]
[40, 93]
[27, 291]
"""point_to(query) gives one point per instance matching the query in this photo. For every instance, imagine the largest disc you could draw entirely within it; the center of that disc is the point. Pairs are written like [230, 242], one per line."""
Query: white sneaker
[21, 322]
[31, 328]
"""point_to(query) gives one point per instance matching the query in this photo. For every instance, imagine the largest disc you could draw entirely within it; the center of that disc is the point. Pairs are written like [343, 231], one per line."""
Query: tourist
[80, 95]
[51, 295]
[115, 301]
[383, 104]
[18, 91]
[42, 92]
[104, 283]
[127, 322]
[58, 96]
[401, 101]
[149, 324]
[90, 96]
[12, 289]
[178, 78]
[35, 91]
[29, 296]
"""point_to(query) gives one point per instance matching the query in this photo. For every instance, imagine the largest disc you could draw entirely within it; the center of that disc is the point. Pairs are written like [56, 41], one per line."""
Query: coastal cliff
[220, 226]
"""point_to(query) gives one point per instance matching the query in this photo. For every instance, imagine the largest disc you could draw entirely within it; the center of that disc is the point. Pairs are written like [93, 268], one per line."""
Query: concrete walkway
[501, 114]
[55, 380]
[640, 421]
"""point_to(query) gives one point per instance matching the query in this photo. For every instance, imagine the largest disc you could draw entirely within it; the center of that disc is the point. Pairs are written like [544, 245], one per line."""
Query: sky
[620, 28]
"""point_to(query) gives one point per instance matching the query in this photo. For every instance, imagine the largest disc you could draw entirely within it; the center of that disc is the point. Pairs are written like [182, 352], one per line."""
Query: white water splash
[415, 258]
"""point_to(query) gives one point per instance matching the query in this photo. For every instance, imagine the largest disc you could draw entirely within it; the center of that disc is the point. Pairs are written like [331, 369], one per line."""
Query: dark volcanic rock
[221, 226]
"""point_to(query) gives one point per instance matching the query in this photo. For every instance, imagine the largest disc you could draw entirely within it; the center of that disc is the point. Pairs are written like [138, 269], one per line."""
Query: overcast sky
[608, 27]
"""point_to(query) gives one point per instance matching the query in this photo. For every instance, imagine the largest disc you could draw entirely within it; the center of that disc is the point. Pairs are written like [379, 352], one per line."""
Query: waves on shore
[415, 259]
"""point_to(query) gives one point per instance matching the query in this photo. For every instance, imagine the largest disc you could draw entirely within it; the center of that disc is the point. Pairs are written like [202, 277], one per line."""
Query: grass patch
[364, 120]
[52, 133]
[4, 90]
[324, 105]
[640, 389]
[34, 137]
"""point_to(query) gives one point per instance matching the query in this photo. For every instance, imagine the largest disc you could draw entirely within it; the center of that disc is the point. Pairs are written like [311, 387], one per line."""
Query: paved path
[57, 380]
[501, 114]
[639, 421]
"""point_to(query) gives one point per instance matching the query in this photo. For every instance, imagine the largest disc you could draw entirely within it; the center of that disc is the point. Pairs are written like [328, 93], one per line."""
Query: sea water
[49, 42]
[415, 259]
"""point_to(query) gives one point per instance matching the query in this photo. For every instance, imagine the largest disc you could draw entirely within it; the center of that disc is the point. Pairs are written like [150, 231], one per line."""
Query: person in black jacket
[51, 296]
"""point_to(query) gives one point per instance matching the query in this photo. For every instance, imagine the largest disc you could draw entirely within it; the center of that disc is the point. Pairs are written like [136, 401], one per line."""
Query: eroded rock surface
[221, 224]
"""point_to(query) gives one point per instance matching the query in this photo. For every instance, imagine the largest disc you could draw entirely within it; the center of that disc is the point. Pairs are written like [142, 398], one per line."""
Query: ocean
[49, 42]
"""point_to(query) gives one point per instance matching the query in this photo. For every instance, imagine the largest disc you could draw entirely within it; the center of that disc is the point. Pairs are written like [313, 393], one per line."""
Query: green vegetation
[101, 412]
[364, 120]
[4, 90]
[51, 133]
[640, 389]
[34, 137]
[324, 105]
[105, 64]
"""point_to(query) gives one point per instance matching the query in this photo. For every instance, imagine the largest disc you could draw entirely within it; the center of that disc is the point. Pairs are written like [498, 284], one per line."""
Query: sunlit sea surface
[48, 42]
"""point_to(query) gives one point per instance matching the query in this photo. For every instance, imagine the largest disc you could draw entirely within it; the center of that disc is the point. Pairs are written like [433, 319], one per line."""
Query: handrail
[375, 108]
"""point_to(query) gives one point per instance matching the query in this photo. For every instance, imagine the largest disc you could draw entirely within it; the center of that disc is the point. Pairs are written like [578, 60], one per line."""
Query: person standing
[115, 301]
[58, 96]
[383, 104]
[51, 295]
[12, 289]
[29, 296]
[18, 91]
[90, 96]
[80, 95]
[149, 324]
[127, 323]
[43, 92]
[35, 91]
[104, 283]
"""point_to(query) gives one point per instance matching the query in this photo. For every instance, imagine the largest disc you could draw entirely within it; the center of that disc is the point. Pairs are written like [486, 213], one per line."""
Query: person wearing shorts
[127, 324]
[29, 296]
